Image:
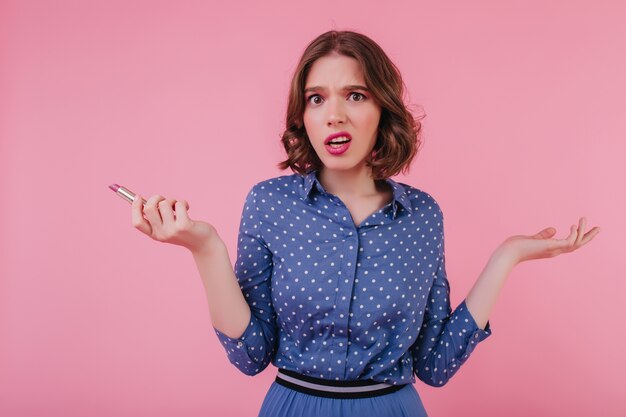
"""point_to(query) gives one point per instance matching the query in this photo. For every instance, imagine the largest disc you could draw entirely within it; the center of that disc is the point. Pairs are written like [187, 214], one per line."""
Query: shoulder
[274, 187]
[422, 201]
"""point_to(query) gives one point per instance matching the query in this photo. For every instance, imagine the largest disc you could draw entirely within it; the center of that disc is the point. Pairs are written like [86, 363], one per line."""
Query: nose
[336, 112]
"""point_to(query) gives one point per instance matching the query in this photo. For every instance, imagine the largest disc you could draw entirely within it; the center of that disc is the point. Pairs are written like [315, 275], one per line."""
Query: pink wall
[525, 129]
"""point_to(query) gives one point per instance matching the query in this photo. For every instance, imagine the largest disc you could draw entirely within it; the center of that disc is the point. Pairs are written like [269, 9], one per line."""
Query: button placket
[343, 300]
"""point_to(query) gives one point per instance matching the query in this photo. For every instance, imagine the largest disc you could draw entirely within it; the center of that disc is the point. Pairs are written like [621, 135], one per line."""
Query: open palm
[543, 245]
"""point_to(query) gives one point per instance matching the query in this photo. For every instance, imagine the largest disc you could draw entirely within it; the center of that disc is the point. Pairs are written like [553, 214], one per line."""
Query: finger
[590, 235]
[571, 239]
[186, 205]
[152, 212]
[181, 207]
[165, 208]
[581, 229]
[138, 221]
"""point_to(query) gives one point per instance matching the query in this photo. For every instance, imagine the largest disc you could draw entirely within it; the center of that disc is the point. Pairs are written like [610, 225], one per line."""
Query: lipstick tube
[125, 193]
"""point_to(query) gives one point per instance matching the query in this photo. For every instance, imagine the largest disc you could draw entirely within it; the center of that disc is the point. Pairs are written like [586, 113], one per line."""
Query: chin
[340, 165]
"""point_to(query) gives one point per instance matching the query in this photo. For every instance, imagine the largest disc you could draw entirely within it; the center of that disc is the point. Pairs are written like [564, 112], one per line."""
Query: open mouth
[339, 142]
[338, 146]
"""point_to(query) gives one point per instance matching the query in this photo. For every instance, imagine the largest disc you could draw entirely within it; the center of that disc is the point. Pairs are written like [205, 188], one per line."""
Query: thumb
[545, 233]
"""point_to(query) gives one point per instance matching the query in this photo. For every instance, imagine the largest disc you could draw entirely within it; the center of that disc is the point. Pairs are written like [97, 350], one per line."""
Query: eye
[361, 96]
[314, 96]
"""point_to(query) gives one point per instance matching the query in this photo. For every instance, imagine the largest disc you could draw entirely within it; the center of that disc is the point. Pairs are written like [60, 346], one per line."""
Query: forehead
[334, 70]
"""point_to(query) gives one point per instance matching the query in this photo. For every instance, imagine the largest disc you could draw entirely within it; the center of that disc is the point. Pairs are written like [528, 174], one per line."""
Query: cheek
[370, 118]
[306, 122]
[310, 125]
[306, 119]
[375, 117]
[371, 123]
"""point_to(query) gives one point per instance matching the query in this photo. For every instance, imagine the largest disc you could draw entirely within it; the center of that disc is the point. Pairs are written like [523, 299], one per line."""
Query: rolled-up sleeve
[447, 338]
[253, 350]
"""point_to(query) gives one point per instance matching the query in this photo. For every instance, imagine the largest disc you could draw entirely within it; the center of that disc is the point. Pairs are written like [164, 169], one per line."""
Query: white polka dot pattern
[333, 300]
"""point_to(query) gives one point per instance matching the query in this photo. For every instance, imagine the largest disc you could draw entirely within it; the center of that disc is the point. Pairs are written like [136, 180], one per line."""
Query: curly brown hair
[399, 132]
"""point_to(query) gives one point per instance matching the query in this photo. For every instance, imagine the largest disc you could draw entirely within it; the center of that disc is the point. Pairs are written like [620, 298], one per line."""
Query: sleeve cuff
[250, 347]
[237, 343]
[467, 322]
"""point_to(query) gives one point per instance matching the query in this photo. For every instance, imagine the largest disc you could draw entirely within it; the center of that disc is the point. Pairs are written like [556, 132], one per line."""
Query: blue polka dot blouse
[333, 300]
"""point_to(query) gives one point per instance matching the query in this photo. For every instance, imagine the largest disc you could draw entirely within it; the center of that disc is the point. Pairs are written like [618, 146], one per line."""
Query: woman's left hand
[542, 245]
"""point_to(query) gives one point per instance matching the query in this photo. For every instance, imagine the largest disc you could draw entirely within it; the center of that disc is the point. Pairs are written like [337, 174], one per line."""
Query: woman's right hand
[164, 224]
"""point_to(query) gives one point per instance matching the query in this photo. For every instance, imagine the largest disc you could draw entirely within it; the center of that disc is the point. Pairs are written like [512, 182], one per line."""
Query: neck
[352, 183]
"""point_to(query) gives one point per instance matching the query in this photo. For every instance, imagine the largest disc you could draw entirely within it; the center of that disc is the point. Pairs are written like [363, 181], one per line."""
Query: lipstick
[125, 193]
[337, 135]
[345, 143]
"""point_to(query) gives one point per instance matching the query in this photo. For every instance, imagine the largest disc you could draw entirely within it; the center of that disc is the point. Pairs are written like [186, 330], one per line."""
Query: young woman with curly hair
[340, 278]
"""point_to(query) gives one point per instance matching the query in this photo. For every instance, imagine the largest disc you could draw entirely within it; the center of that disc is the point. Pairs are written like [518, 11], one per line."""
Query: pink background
[525, 129]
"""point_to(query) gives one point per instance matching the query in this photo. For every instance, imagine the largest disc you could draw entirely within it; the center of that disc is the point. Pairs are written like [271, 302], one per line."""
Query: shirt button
[239, 344]
[476, 336]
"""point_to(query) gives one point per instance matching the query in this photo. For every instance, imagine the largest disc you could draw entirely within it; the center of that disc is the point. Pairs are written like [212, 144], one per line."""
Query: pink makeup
[125, 193]
[337, 149]
[338, 143]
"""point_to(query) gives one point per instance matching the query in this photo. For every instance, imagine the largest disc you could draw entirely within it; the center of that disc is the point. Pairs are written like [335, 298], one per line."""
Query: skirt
[297, 396]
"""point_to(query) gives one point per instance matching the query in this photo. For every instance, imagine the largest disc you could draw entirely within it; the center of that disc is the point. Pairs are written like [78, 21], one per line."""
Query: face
[337, 100]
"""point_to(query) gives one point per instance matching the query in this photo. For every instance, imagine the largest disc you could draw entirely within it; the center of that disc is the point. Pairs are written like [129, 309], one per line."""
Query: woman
[340, 277]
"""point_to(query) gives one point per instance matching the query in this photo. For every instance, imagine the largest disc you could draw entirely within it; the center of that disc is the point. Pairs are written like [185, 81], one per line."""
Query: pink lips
[337, 150]
[336, 135]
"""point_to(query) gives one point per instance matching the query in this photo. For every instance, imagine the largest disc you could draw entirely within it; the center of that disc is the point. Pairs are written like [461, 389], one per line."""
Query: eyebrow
[346, 88]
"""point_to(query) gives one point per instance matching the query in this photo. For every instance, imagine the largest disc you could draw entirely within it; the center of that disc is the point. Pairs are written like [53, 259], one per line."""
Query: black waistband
[334, 389]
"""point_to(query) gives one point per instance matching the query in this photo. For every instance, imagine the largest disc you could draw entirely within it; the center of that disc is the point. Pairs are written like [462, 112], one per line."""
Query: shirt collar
[400, 196]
